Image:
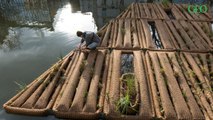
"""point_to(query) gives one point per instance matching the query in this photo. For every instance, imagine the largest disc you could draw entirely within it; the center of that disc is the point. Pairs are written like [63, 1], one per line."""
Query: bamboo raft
[174, 78]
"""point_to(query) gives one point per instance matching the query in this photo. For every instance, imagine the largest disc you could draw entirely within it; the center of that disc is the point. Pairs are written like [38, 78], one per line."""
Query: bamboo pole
[163, 34]
[91, 100]
[193, 106]
[181, 44]
[108, 91]
[127, 35]
[83, 85]
[121, 32]
[68, 94]
[104, 84]
[106, 36]
[145, 104]
[185, 36]
[164, 95]
[147, 33]
[44, 98]
[153, 85]
[114, 39]
[135, 35]
[206, 38]
[176, 94]
[198, 91]
[199, 74]
[115, 82]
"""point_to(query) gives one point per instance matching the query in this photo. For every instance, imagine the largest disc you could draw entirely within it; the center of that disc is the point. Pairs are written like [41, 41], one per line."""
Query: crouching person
[90, 38]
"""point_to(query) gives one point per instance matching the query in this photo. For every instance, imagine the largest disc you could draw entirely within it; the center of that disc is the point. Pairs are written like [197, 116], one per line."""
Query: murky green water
[34, 34]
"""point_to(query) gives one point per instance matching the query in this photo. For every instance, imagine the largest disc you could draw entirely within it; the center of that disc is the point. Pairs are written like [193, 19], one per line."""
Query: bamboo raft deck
[174, 76]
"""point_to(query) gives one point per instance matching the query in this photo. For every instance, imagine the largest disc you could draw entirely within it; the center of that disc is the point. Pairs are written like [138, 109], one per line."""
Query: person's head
[79, 33]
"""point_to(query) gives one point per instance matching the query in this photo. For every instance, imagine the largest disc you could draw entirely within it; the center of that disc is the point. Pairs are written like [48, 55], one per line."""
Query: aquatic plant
[128, 102]
[21, 86]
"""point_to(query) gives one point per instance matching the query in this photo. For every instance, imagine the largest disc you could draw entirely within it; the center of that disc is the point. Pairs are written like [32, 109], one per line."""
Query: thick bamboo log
[104, 84]
[135, 35]
[145, 104]
[26, 94]
[165, 16]
[177, 14]
[132, 15]
[121, 32]
[186, 13]
[178, 38]
[199, 74]
[114, 39]
[164, 95]
[198, 91]
[137, 12]
[67, 74]
[153, 86]
[206, 38]
[34, 97]
[108, 91]
[91, 101]
[83, 85]
[142, 11]
[106, 36]
[146, 9]
[163, 33]
[192, 34]
[127, 35]
[115, 81]
[141, 36]
[110, 40]
[176, 94]
[68, 93]
[193, 106]
[185, 36]
[157, 11]
[147, 33]
[152, 12]
[44, 98]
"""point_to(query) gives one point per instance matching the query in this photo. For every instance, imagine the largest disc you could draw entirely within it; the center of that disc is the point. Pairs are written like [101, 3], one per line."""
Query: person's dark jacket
[90, 37]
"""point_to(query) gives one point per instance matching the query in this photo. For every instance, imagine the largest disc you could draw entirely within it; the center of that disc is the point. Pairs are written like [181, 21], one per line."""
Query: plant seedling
[21, 86]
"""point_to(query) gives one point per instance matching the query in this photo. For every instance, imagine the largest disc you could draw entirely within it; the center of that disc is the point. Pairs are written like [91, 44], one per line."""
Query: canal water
[34, 34]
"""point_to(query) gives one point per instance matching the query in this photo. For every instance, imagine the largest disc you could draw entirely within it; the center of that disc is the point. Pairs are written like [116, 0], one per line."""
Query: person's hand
[83, 47]
[79, 46]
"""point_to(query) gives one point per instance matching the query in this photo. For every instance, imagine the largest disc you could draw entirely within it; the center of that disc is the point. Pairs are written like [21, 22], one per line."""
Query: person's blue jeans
[92, 46]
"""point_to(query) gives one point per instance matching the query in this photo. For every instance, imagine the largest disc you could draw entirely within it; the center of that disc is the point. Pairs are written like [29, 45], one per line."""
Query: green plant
[83, 64]
[176, 74]
[60, 56]
[184, 96]
[123, 104]
[21, 86]
[127, 103]
[203, 70]
[123, 31]
[165, 3]
[107, 96]
[162, 71]
[191, 73]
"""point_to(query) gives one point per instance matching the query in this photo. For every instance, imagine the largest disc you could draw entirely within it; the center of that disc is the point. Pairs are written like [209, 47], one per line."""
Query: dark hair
[79, 33]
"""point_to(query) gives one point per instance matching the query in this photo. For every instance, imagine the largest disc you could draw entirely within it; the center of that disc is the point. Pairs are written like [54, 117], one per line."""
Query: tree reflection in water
[12, 41]
[126, 63]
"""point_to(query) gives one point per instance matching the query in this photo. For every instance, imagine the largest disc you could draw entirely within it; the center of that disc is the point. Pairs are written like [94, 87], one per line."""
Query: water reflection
[33, 35]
